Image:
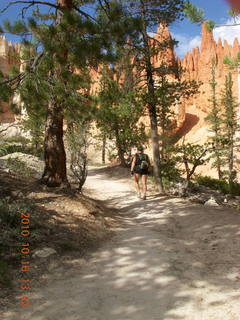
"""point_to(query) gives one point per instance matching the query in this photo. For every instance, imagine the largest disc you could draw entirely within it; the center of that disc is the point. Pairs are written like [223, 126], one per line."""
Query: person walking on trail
[140, 171]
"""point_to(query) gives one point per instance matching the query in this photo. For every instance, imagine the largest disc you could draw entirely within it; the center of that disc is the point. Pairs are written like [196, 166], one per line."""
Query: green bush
[18, 140]
[11, 148]
[9, 214]
[169, 172]
[7, 149]
[19, 167]
[220, 185]
[236, 189]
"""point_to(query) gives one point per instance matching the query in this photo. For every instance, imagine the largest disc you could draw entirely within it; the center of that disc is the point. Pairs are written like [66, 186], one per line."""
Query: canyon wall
[198, 64]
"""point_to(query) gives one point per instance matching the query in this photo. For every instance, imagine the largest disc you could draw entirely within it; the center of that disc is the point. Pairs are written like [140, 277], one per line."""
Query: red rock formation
[168, 55]
[198, 67]
[8, 54]
[197, 64]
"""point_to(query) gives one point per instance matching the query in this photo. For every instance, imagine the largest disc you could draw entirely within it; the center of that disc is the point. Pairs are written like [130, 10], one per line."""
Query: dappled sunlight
[171, 259]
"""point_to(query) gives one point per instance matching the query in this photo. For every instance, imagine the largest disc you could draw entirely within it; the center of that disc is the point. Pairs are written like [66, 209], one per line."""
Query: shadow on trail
[193, 248]
[169, 256]
[167, 273]
[113, 172]
[171, 260]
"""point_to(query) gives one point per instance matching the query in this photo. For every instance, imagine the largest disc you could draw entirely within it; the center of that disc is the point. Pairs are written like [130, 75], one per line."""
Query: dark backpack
[142, 161]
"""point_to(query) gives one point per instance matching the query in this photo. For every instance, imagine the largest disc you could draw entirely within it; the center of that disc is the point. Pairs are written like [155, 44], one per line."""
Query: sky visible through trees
[188, 34]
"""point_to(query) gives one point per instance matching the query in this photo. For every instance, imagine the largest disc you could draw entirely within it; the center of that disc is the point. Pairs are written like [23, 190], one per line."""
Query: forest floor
[169, 259]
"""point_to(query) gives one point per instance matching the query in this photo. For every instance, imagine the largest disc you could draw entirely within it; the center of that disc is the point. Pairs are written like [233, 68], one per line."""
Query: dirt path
[169, 260]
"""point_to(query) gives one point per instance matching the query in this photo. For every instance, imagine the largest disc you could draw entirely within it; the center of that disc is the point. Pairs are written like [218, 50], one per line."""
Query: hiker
[140, 169]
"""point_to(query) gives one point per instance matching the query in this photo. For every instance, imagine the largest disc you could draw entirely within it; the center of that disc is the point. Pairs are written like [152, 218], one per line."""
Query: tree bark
[152, 108]
[55, 173]
[104, 150]
[120, 152]
[155, 147]
[231, 175]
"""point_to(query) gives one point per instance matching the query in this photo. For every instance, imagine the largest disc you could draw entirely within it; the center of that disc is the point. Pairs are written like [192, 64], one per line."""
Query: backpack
[142, 161]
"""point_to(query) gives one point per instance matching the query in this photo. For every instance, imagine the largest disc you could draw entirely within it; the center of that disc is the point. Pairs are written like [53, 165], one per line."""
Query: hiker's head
[140, 149]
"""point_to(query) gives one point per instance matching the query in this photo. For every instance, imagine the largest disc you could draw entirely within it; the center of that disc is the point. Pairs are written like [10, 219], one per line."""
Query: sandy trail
[169, 260]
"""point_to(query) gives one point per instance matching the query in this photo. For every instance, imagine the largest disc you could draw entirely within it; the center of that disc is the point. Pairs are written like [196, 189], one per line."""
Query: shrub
[19, 167]
[17, 140]
[11, 148]
[9, 214]
[220, 185]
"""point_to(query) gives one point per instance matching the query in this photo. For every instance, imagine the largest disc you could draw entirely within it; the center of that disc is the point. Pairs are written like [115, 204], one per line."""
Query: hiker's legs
[144, 184]
[136, 181]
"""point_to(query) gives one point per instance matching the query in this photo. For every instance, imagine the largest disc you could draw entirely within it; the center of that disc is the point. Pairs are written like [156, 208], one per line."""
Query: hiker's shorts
[141, 171]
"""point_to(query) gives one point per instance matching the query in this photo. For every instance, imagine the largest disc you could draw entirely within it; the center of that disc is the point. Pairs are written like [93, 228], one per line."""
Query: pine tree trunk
[104, 150]
[216, 120]
[55, 173]
[152, 108]
[120, 152]
[155, 148]
[219, 168]
[231, 166]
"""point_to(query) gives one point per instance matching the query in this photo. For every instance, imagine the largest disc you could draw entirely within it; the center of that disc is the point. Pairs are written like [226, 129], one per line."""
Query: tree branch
[12, 80]
[86, 15]
[18, 78]
[34, 2]
[197, 160]
[31, 3]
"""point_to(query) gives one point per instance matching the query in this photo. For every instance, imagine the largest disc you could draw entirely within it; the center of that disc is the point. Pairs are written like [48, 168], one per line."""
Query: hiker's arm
[133, 163]
[148, 160]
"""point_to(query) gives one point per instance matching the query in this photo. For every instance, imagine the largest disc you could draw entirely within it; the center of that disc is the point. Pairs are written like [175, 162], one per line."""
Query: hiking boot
[144, 197]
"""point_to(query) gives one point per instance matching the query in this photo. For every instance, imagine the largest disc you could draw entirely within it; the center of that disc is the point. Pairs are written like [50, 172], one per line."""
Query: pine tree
[230, 130]
[33, 123]
[152, 13]
[215, 120]
[119, 106]
[197, 15]
[78, 136]
[170, 94]
[65, 39]
[192, 156]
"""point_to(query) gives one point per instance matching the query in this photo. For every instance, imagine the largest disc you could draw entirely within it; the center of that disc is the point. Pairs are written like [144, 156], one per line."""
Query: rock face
[168, 57]
[8, 58]
[198, 64]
